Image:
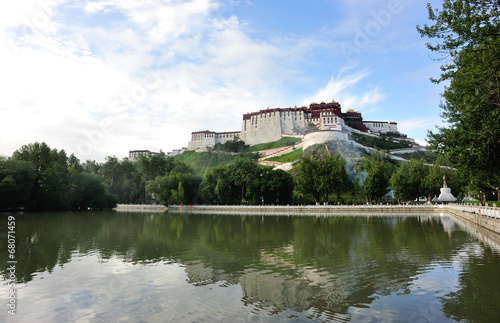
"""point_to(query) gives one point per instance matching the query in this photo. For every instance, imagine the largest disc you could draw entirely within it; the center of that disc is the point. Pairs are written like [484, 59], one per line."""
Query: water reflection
[158, 267]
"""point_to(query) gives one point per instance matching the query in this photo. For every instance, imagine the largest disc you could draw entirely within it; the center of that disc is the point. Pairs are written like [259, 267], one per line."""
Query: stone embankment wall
[305, 209]
[140, 208]
[486, 217]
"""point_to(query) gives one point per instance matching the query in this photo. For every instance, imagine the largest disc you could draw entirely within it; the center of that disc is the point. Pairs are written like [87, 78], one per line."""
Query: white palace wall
[381, 126]
[271, 124]
[268, 126]
[203, 139]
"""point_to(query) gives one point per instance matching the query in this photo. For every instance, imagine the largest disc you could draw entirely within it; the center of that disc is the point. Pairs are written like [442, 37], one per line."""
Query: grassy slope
[283, 142]
[200, 162]
[379, 143]
[286, 158]
[428, 156]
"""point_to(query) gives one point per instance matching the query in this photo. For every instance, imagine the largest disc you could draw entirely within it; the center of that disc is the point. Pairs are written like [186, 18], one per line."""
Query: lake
[164, 267]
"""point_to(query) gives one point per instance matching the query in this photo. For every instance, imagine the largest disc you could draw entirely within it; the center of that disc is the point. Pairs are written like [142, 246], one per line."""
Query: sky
[100, 78]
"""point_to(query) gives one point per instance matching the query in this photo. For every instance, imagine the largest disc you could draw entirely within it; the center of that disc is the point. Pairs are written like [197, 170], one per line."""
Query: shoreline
[486, 217]
[483, 216]
[140, 208]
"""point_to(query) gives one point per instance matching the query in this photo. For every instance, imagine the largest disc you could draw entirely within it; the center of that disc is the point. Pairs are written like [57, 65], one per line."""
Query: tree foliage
[16, 179]
[179, 186]
[245, 182]
[377, 181]
[433, 181]
[467, 34]
[321, 175]
[406, 181]
[54, 181]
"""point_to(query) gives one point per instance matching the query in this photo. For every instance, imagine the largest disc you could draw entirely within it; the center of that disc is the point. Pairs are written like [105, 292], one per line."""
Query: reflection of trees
[476, 299]
[326, 264]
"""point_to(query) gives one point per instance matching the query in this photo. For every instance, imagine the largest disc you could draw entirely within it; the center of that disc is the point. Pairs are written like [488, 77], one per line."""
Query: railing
[313, 207]
[487, 211]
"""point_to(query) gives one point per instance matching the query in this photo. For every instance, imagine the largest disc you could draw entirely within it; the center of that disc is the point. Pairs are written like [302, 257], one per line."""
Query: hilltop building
[271, 124]
[133, 155]
[204, 139]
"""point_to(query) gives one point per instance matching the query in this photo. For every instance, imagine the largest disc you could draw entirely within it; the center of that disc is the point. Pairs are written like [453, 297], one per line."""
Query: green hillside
[286, 158]
[428, 156]
[283, 142]
[200, 162]
[382, 143]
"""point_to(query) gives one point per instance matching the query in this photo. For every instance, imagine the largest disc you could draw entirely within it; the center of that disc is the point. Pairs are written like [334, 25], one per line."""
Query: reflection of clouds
[276, 290]
[88, 290]
[448, 224]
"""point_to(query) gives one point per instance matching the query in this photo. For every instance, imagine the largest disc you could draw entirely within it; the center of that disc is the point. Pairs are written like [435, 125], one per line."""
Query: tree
[274, 187]
[49, 190]
[321, 175]
[235, 145]
[468, 34]
[377, 180]
[406, 181]
[156, 165]
[180, 186]
[216, 187]
[242, 174]
[433, 181]
[90, 193]
[246, 182]
[337, 173]
[16, 180]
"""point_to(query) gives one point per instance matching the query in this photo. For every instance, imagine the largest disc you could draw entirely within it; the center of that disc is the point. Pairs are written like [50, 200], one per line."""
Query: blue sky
[100, 78]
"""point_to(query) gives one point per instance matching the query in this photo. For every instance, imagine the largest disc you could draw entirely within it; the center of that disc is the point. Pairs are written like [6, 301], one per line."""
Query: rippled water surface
[133, 267]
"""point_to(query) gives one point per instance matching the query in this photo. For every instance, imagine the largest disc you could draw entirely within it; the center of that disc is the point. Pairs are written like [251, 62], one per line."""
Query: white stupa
[446, 195]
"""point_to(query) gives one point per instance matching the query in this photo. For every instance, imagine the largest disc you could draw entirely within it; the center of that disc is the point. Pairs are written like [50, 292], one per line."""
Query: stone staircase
[276, 152]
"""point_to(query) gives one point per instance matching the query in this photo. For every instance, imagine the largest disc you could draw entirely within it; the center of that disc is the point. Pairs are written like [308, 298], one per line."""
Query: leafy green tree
[216, 187]
[180, 186]
[90, 193]
[246, 182]
[155, 165]
[109, 170]
[406, 181]
[338, 174]
[433, 181]
[16, 180]
[377, 180]
[321, 175]
[50, 185]
[468, 37]
[58, 182]
[242, 174]
[235, 145]
[92, 167]
[130, 187]
[274, 187]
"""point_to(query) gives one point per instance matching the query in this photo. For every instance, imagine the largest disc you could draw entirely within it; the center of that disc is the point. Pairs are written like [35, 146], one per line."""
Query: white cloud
[345, 89]
[418, 123]
[100, 78]
[90, 90]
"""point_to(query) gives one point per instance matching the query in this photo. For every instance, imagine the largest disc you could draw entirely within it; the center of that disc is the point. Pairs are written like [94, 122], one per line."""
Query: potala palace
[314, 124]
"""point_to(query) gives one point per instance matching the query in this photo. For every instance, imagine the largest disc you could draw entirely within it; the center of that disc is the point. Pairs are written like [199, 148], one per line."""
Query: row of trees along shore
[37, 177]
